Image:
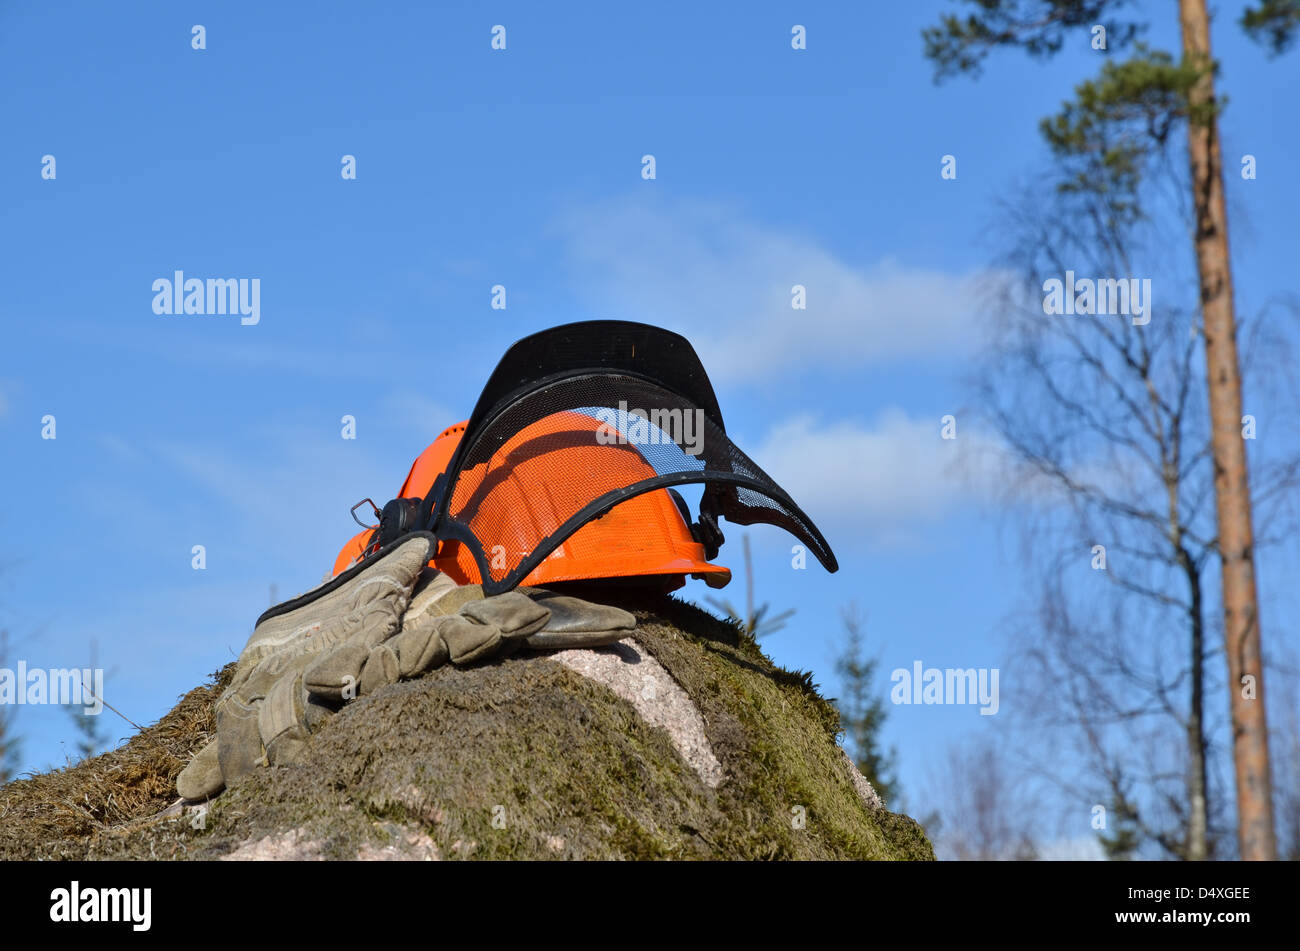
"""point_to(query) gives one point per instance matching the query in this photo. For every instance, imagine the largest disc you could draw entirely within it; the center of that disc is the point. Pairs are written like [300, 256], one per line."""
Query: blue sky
[519, 168]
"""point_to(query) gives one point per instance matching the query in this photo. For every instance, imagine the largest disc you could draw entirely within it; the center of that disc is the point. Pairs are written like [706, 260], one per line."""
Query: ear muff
[399, 517]
[706, 530]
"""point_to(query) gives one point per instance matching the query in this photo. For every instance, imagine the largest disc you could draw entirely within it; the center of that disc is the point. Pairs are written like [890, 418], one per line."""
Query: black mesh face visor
[580, 418]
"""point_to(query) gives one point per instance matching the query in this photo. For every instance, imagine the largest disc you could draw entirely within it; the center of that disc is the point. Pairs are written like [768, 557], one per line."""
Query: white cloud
[705, 270]
[884, 481]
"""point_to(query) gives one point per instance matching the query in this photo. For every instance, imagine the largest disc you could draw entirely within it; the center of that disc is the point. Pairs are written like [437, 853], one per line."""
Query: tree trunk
[1197, 794]
[1236, 542]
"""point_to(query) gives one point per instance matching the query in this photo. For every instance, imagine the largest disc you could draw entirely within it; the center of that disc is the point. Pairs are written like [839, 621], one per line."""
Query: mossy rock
[521, 758]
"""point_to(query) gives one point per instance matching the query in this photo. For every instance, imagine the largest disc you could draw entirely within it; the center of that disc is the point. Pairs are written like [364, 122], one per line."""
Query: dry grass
[54, 814]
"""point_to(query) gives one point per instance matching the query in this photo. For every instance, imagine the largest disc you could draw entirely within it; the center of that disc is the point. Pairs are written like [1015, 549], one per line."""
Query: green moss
[526, 759]
[776, 736]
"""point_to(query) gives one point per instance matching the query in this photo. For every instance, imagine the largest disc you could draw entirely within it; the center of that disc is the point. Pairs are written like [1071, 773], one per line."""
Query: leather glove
[265, 715]
[458, 624]
[574, 622]
[442, 623]
[394, 619]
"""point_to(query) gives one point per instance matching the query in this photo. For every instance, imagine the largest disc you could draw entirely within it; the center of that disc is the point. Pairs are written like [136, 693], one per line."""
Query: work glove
[264, 715]
[458, 624]
[393, 620]
[442, 623]
[575, 623]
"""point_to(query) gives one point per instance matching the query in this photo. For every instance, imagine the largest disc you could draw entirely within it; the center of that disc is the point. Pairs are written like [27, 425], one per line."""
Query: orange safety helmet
[527, 496]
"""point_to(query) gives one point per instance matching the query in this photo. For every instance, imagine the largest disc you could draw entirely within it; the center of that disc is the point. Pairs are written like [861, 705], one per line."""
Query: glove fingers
[201, 779]
[239, 747]
[336, 674]
[513, 614]
[578, 623]
[282, 716]
[359, 666]
[565, 640]
[380, 669]
[467, 641]
[420, 648]
[569, 614]
[316, 711]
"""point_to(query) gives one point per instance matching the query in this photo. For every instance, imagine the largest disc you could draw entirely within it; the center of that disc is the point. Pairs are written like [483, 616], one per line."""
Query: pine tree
[1110, 126]
[753, 620]
[863, 712]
